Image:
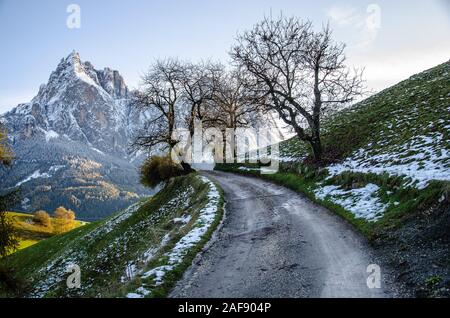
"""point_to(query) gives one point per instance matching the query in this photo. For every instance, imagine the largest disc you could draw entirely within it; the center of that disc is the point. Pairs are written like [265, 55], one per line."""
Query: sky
[391, 39]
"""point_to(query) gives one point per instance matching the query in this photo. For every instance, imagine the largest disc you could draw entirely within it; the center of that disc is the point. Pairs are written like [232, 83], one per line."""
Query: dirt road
[276, 243]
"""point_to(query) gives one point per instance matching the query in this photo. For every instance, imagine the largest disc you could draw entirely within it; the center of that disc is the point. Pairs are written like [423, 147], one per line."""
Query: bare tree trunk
[191, 126]
[317, 149]
[186, 167]
[232, 141]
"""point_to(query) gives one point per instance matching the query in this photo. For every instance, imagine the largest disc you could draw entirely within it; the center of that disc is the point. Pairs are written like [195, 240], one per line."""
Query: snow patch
[362, 202]
[183, 220]
[35, 175]
[424, 158]
[56, 168]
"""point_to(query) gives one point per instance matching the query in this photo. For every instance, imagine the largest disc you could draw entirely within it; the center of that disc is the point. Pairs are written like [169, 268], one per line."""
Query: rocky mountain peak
[71, 142]
[78, 102]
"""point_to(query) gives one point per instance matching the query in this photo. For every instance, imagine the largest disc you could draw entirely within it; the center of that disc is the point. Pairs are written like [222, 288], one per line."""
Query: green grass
[174, 275]
[104, 249]
[307, 179]
[29, 233]
[416, 106]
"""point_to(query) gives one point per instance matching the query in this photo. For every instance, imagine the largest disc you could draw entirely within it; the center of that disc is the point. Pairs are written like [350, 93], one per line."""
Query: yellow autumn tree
[42, 218]
[6, 154]
[64, 220]
[8, 235]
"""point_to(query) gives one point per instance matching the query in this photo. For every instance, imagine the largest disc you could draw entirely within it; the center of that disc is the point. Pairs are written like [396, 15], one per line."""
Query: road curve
[276, 243]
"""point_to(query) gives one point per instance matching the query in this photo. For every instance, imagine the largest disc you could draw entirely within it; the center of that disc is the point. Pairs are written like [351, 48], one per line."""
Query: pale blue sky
[130, 35]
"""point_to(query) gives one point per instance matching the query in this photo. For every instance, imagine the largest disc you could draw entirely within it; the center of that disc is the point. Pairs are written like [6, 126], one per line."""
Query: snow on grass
[423, 158]
[132, 270]
[158, 273]
[35, 175]
[176, 255]
[55, 269]
[120, 251]
[180, 201]
[362, 202]
[183, 219]
[151, 252]
[203, 223]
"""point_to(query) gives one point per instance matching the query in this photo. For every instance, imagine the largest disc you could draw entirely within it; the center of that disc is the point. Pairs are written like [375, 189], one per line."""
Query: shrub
[158, 169]
[42, 218]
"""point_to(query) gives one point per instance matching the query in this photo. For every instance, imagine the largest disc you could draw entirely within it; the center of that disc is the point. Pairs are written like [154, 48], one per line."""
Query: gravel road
[276, 243]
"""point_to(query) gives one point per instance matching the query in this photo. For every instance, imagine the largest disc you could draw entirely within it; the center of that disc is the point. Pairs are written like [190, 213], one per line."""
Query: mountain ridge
[80, 103]
[71, 142]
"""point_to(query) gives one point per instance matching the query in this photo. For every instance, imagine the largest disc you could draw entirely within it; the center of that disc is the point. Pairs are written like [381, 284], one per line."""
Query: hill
[29, 232]
[388, 174]
[138, 252]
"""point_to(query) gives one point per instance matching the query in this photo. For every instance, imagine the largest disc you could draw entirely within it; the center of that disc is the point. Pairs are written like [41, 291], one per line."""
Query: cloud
[344, 16]
[366, 23]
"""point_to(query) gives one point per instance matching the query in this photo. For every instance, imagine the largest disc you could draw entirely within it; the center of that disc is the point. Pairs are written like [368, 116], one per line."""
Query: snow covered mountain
[71, 143]
[79, 103]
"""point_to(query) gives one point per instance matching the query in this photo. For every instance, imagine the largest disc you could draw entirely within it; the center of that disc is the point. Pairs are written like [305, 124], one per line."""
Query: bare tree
[301, 72]
[160, 99]
[199, 82]
[175, 94]
[234, 105]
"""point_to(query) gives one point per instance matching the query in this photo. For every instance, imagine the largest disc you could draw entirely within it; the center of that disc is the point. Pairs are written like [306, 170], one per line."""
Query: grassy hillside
[418, 106]
[392, 151]
[116, 256]
[387, 154]
[388, 173]
[29, 232]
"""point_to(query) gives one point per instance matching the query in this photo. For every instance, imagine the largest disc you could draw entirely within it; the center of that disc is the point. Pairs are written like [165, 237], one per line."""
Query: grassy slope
[30, 233]
[416, 106]
[381, 134]
[105, 249]
[380, 125]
